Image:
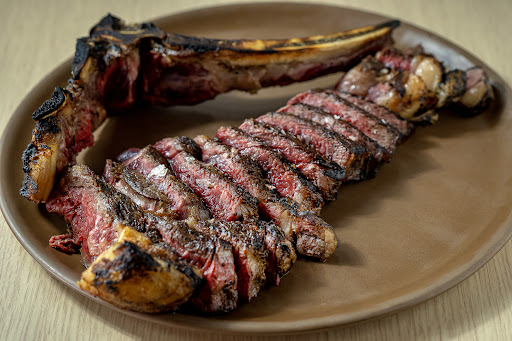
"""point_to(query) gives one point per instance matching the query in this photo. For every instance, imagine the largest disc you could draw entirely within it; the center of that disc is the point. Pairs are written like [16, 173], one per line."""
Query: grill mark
[323, 173]
[355, 159]
[286, 180]
[337, 125]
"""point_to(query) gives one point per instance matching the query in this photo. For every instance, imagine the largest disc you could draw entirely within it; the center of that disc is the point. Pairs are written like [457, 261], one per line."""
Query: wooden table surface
[37, 36]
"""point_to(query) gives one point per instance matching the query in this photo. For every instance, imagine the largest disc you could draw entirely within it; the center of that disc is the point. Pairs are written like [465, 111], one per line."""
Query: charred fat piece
[171, 69]
[137, 274]
[414, 84]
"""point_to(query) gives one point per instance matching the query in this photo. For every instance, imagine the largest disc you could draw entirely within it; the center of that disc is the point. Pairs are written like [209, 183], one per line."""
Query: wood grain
[39, 35]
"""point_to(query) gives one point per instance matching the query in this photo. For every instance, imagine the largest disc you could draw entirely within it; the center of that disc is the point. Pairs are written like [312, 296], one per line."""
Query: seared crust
[136, 274]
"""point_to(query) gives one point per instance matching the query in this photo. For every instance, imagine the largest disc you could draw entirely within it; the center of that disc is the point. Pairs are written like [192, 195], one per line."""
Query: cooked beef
[213, 256]
[170, 146]
[249, 253]
[337, 125]
[312, 236]
[372, 127]
[381, 112]
[226, 200]
[139, 275]
[281, 253]
[152, 165]
[286, 180]
[134, 185]
[355, 159]
[322, 172]
[91, 208]
[95, 210]
[120, 64]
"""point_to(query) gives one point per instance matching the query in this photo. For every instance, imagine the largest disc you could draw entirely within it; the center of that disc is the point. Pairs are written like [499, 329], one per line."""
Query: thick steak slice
[337, 125]
[355, 159]
[226, 200]
[387, 116]
[212, 255]
[92, 209]
[96, 211]
[281, 254]
[152, 165]
[170, 146]
[383, 134]
[312, 236]
[322, 172]
[286, 180]
[249, 253]
[134, 185]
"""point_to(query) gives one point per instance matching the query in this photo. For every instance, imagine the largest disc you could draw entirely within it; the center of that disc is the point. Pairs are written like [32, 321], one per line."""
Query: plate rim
[386, 308]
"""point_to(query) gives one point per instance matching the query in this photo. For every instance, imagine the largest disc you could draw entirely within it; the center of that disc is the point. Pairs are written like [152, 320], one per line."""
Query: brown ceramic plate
[429, 219]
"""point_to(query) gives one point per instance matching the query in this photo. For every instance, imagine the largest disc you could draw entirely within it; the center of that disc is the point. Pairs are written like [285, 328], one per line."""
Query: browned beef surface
[225, 200]
[337, 125]
[312, 236]
[283, 177]
[322, 172]
[354, 158]
[155, 167]
[387, 116]
[383, 134]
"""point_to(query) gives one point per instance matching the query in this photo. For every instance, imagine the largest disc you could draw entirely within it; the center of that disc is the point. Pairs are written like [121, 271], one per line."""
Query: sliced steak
[226, 200]
[134, 185]
[281, 253]
[355, 159]
[286, 180]
[95, 210]
[299, 227]
[387, 116]
[170, 146]
[152, 165]
[322, 172]
[337, 125]
[248, 250]
[383, 134]
[212, 255]
[91, 208]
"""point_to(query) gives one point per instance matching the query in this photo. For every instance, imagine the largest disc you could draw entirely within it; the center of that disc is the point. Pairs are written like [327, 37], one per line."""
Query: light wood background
[37, 36]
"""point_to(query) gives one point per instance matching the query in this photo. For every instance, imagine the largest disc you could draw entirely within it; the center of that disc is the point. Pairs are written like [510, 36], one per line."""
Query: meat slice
[249, 253]
[337, 125]
[286, 180]
[170, 146]
[96, 212]
[224, 198]
[387, 116]
[135, 186]
[322, 172]
[357, 161]
[213, 256]
[311, 235]
[371, 126]
[91, 208]
[281, 253]
[152, 165]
